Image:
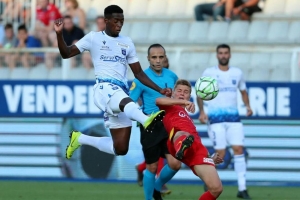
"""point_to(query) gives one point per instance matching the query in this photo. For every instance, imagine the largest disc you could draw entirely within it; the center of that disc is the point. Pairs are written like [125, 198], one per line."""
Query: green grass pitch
[39, 190]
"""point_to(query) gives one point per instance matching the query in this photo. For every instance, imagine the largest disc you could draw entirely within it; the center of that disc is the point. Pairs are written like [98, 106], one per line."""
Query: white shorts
[225, 133]
[107, 97]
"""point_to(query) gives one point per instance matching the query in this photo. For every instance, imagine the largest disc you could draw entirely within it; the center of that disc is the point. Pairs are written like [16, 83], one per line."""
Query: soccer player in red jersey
[184, 142]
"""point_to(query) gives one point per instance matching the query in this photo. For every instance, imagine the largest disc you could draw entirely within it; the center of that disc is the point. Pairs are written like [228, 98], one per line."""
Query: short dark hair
[8, 26]
[22, 27]
[155, 46]
[226, 46]
[68, 17]
[109, 10]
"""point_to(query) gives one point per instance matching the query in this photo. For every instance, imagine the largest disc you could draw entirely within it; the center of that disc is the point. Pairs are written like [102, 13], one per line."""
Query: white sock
[132, 111]
[240, 169]
[104, 144]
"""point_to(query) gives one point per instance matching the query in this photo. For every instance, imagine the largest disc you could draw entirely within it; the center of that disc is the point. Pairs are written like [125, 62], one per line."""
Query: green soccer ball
[206, 88]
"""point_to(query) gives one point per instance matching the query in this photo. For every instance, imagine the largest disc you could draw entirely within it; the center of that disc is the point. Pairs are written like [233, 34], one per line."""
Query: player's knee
[121, 151]
[216, 189]
[175, 165]
[152, 167]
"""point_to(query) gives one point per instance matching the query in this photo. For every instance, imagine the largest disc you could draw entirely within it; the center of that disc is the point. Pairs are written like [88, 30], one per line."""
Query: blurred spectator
[71, 32]
[9, 41]
[76, 13]
[12, 11]
[216, 10]
[2, 33]
[100, 23]
[25, 41]
[242, 9]
[46, 14]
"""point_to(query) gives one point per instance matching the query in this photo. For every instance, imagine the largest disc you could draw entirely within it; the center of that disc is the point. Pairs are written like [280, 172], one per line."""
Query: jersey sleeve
[85, 43]
[132, 57]
[242, 83]
[135, 90]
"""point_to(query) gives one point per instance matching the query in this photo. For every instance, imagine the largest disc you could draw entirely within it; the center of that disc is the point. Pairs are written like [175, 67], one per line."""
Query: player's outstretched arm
[144, 79]
[65, 51]
[202, 116]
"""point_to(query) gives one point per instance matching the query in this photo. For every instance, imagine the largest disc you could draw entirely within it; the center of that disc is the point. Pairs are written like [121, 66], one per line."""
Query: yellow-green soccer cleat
[153, 118]
[74, 144]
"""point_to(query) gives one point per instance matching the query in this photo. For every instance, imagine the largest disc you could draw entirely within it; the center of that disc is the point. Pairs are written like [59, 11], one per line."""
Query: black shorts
[154, 144]
[249, 10]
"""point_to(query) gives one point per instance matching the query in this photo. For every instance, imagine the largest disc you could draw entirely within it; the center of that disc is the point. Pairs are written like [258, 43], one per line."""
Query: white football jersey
[224, 107]
[110, 55]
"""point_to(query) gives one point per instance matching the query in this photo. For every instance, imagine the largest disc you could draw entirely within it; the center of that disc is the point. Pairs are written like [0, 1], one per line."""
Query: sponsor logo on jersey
[208, 160]
[123, 45]
[113, 59]
[233, 81]
[133, 85]
[104, 42]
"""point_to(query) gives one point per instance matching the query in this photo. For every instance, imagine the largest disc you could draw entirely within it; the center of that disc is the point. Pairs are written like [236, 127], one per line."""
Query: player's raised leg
[209, 175]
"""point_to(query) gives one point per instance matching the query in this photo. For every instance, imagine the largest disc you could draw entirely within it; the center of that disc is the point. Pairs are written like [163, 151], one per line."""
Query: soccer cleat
[140, 176]
[165, 191]
[187, 143]
[157, 195]
[153, 118]
[74, 144]
[243, 195]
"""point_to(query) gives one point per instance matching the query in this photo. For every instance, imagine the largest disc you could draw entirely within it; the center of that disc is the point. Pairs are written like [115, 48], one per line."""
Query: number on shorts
[113, 87]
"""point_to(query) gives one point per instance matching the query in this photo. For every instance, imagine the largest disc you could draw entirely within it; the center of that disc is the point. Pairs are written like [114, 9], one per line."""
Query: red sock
[161, 164]
[207, 196]
[141, 167]
[178, 142]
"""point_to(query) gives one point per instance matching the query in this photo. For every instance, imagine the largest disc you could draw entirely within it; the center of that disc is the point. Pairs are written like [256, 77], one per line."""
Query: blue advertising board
[75, 99]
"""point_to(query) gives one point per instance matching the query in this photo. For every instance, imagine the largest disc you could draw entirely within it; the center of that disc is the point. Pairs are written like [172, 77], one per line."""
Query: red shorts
[197, 154]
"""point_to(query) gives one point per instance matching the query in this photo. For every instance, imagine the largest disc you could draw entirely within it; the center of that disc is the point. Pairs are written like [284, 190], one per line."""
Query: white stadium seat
[99, 6]
[178, 32]
[126, 29]
[139, 31]
[280, 75]
[91, 75]
[274, 7]
[292, 7]
[259, 74]
[143, 59]
[278, 32]
[55, 74]
[124, 4]
[258, 31]
[281, 60]
[38, 73]
[158, 31]
[19, 73]
[260, 60]
[176, 8]
[137, 8]
[217, 32]
[238, 31]
[294, 31]
[157, 8]
[194, 60]
[198, 32]
[4, 73]
[240, 60]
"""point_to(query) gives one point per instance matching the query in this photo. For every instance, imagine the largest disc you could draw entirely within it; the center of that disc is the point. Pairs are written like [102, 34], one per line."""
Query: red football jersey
[46, 15]
[176, 117]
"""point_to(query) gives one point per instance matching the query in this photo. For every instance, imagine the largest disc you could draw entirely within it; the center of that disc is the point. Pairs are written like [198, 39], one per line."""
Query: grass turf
[40, 190]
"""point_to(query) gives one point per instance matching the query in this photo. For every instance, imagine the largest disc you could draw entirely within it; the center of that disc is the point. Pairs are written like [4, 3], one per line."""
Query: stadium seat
[240, 60]
[158, 32]
[259, 74]
[139, 31]
[194, 60]
[278, 32]
[91, 75]
[38, 73]
[272, 8]
[19, 73]
[176, 8]
[292, 7]
[178, 32]
[135, 9]
[198, 32]
[280, 75]
[143, 59]
[77, 73]
[238, 31]
[4, 73]
[258, 31]
[281, 60]
[260, 60]
[294, 31]
[126, 29]
[213, 61]
[174, 62]
[99, 6]
[157, 8]
[217, 32]
[190, 6]
[124, 4]
[55, 74]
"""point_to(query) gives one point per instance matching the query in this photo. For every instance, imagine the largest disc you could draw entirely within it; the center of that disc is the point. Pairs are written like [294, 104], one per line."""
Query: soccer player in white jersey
[224, 125]
[111, 53]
